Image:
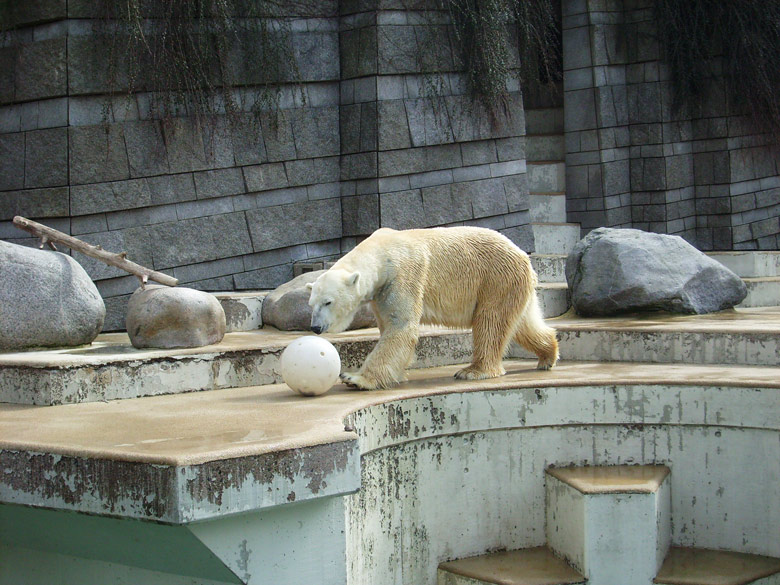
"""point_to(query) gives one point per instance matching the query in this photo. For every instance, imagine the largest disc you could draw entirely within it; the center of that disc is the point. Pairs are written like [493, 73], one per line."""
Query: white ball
[310, 365]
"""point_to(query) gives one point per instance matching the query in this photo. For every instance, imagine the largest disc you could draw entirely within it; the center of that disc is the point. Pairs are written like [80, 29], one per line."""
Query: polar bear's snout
[317, 324]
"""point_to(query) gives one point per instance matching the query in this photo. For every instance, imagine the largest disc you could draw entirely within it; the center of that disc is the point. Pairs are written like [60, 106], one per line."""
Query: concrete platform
[690, 566]
[533, 566]
[738, 336]
[182, 458]
[625, 479]
[110, 368]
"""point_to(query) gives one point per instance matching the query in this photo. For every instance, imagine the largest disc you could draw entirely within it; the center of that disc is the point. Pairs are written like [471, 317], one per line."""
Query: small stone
[613, 271]
[46, 300]
[171, 317]
[287, 308]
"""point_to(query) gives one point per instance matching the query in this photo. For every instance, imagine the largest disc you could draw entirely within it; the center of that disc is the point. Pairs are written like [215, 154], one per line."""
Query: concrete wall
[633, 161]
[362, 144]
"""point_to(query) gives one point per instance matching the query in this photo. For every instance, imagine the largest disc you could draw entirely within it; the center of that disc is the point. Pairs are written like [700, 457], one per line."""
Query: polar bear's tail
[534, 335]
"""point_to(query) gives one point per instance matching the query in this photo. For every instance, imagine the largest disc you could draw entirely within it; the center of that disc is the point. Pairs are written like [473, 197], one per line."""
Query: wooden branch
[49, 235]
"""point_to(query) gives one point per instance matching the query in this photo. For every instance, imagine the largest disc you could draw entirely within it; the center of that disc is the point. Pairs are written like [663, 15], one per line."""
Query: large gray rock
[614, 271]
[46, 300]
[287, 308]
[171, 317]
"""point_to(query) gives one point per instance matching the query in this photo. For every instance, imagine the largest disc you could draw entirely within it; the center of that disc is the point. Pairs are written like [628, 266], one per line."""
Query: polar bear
[457, 277]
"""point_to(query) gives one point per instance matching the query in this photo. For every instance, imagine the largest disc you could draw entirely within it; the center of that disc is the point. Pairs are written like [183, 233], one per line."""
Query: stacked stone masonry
[373, 136]
[634, 160]
[381, 131]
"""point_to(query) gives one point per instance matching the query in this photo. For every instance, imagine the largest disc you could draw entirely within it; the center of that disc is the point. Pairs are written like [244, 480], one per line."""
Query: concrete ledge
[178, 459]
[532, 566]
[690, 566]
[622, 479]
[177, 494]
[111, 368]
[740, 337]
[762, 292]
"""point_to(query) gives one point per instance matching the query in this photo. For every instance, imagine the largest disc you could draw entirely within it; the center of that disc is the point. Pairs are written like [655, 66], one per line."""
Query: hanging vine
[735, 42]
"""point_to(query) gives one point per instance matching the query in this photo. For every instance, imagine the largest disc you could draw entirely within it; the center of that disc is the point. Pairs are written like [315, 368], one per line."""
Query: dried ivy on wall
[488, 31]
[733, 42]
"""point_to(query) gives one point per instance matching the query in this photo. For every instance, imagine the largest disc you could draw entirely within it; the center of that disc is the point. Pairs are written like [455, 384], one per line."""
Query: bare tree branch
[49, 235]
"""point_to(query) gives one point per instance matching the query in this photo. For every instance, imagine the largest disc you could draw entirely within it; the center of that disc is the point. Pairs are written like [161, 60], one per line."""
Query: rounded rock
[46, 300]
[613, 271]
[174, 317]
[287, 307]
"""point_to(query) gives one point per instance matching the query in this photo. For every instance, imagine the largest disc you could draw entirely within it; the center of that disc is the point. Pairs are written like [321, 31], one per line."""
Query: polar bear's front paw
[357, 381]
[472, 373]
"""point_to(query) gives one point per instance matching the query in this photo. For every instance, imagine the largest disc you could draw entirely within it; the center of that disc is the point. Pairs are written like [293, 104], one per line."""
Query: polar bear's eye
[326, 303]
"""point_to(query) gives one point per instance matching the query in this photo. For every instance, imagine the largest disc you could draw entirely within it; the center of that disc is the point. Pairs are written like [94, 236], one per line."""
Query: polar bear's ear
[353, 278]
[309, 285]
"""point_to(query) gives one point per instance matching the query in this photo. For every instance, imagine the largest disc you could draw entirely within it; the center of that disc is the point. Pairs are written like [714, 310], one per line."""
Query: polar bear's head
[334, 300]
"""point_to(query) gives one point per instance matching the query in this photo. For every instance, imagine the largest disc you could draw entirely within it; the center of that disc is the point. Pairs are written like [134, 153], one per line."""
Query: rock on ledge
[46, 300]
[287, 307]
[613, 271]
[167, 318]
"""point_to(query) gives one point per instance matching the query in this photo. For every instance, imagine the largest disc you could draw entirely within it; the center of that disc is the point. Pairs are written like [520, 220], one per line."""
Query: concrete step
[738, 337]
[692, 566]
[547, 207]
[549, 267]
[544, 121]
[531, 566]
[555, 238]
[243, 310]
[752, 264]
[545, 147]
[546, 176]
[762, 292]
[611, 523]
[110, 368]
[553, 298]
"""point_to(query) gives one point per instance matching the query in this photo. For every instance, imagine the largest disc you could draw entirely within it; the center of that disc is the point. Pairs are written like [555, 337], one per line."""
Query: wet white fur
[456, 277]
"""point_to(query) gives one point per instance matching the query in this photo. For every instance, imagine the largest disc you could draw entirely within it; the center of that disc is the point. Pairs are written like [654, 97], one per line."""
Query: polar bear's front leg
[386, 364]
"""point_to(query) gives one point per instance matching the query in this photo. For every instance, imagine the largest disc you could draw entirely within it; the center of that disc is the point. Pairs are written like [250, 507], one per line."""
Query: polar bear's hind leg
[491, 332]
[534, 335]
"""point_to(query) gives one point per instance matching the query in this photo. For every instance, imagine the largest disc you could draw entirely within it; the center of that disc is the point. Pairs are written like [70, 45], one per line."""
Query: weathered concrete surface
[741, 336]
[243, 311]
[515, 566]
[113, 369]
[163, 491]
[612, 523]
[691, 565]
[195, 456]
[284, 544]
[613, 271]
[442, 477]
[172, 317]
[47, 300]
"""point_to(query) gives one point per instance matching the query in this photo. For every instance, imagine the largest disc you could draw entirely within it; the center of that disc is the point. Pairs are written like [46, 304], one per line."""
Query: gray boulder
[46, 300]
[170, 317]
[613, 271]
[287, 307]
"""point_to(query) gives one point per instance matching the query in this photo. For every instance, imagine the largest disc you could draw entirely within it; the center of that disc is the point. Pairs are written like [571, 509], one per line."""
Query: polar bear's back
[459, 268]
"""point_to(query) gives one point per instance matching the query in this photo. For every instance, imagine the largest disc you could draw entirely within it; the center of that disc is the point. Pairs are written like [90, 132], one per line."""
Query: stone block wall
[362, 143]
[416, 150]
[633, 160]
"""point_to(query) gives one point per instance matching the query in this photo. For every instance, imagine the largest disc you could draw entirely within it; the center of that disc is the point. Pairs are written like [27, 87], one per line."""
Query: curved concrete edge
[178, 494]
[112, 369]
[185, 458]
